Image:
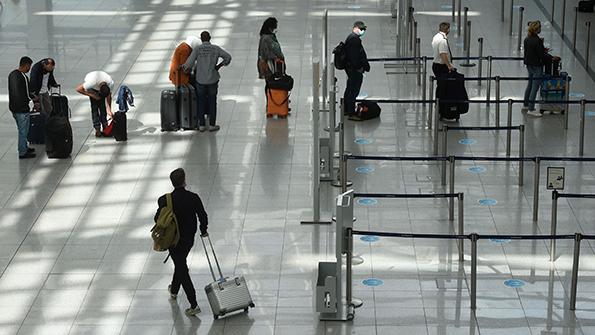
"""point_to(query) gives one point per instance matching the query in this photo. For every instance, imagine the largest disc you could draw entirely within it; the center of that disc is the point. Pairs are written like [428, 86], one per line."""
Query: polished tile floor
[75, 252]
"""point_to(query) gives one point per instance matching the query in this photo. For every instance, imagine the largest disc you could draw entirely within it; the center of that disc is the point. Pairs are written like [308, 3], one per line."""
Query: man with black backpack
[186, 206]
[356, 63]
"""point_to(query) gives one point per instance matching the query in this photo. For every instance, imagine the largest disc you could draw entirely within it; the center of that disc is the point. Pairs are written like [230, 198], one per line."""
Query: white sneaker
[202, 128]
[171, 295]
[524, 109]
[535, 113]
[214, 128]
[192, 311]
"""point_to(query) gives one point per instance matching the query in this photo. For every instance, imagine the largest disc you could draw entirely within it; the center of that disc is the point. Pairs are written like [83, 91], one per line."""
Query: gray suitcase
[169, 110]
[185, 107]
[226, 294]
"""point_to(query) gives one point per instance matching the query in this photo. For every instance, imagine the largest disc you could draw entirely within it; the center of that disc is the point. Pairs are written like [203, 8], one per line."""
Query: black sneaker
[30, 150]
[27, 155]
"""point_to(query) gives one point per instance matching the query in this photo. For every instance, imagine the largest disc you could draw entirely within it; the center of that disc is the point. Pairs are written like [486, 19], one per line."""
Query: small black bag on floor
[120, 132]
[366, 110]
[586, 6]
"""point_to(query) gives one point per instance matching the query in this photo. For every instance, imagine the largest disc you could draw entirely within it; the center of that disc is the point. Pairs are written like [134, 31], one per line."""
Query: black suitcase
[586, 6]
[193, 107]
[185, 106]
[169, 110]
[59, 104]
[37, 128]
[452, 87]
[551, 65]
[120, 132]
[58, 137]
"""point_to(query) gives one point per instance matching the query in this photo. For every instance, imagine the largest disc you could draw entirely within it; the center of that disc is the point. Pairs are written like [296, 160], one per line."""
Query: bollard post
[554, 225]
[459, 18]
[444, 151]
[451, 184]
[424, 80]
[566, 97]
[410, 28]
[563, 24]
[348, 266]
[342, 172]
[489, 90]
[465, 29]
[436, 118]
[473, 295]
[414, 39]
[431, 109]
[520, 37]
[332, 118]
[574, 28]
[511, 16]
[575, 264]
[480, 66]
[521, 155]
[502, 10]
[536, 174]
[581, 146]
[461, 219]
[497, 101]
[588, 44]
[468, 52]
[509, 131]
[418, 58]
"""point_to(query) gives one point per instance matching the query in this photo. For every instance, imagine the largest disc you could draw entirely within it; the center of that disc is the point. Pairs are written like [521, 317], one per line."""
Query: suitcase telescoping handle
[209, 259]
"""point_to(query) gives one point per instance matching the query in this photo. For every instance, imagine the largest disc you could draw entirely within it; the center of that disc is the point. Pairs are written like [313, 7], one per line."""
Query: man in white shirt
[442, 56]
[97, 86]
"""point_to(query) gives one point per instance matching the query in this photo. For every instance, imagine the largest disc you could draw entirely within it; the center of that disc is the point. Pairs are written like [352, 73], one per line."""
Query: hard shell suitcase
[225, 294]
[277, 102]
[120, 132]
[552, 90]
[60, 104]
[184, 106]
[169, 110]
[37, 123]
[58, 137]
[452, 88]
[193, 107]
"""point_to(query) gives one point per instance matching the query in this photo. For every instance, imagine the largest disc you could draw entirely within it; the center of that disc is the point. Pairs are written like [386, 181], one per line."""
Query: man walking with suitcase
[18, 103]
[97, 86]
[356, 63]
[206, 57]
[186, 207]
[42, 80]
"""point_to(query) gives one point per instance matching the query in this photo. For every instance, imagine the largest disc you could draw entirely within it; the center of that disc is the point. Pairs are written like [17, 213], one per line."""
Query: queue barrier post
[436, 118]
[502, 10]
[563, 24]
[465, 29]
[473, 294]
[451, 184]
[461, 220]
[332, 121]
[574, 29]
[410, 29]
[497, 102]
[536, 174]
[489, 89]
[521, 155]
[520, 37]
[418, 57]
[509, 130]
[453, 10]
[511, 16]
[424, 79]
[581, 146]
[459, 18]
[444, 153]
[554, 224]
[431, 109]
[575, 264]
[588, 24]
[567, 97]
[349, 266]
[553, 9]
[480, 61]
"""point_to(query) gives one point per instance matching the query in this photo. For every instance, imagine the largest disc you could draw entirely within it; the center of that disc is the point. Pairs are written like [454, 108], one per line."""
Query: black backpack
[339, 56]
[366, 110]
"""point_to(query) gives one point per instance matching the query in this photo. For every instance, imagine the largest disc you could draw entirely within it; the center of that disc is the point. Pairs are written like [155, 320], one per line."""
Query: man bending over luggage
[187, 206]
[42, 80]
[97, 86]
[206, 56]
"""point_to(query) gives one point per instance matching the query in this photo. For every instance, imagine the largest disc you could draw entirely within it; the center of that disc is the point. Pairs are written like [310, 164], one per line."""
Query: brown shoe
[98, 133]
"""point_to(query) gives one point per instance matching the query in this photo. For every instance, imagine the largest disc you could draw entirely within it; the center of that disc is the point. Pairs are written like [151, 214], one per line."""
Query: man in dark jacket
[18, 103]
[356, 65]
[187, 206]
[42, 80]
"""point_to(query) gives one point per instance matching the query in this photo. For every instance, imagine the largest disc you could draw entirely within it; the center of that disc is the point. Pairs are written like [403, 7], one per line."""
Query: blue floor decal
[369, 238]
[514, 283]
[363, 140]
[467, 141]
[477, 169]
[364, 169]
[367, 201]
[372, 282]
[487, 202]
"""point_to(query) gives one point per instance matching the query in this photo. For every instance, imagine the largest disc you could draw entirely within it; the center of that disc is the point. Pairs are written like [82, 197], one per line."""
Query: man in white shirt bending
[98, 86]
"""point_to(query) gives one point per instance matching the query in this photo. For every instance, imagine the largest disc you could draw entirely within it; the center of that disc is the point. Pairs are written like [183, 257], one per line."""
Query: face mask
[362, 33]
[275, 31]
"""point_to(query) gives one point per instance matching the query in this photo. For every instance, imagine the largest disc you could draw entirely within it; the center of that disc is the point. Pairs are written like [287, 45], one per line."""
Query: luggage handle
[202, 239]
[59, 90]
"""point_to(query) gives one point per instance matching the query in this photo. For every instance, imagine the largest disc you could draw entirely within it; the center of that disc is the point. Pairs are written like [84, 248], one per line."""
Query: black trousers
[354, 84]
[440, 70]
[181, 275]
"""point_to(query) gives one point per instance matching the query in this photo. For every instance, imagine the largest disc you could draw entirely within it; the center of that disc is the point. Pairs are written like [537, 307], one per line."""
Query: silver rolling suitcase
[226, 295]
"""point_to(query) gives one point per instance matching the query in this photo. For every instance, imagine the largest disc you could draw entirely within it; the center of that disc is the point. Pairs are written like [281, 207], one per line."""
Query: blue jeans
[98, 113]
[207, 102]
[532, 85]
[22, 120]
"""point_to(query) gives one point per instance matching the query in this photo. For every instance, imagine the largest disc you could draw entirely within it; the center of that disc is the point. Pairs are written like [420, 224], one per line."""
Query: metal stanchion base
[357, 302]
[337, 183]
[336, 129]
[467, 64]
[337, 155]
[356, 260]
[334, 218]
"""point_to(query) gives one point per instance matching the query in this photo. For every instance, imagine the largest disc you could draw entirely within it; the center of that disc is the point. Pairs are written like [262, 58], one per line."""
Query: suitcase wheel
[269, 116]
[252, 304]
[215, 316]
[246, 309]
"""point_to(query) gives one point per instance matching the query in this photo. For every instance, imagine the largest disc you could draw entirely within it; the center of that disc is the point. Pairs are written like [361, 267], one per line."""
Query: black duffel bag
[366, 110]
[284, 82]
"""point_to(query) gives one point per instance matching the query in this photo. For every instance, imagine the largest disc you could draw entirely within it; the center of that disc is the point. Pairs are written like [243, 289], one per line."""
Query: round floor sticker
[446, 7]
[364, 169]
[363, 140]
[370, 238]
[576, 95]
[367, 201]
[467, 141]
[487, 202]
[514, 283]
[372, 282]
[477, 169]
[500, 240]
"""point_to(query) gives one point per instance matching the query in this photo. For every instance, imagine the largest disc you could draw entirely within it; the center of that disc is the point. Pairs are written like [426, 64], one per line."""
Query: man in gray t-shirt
[206, 56]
